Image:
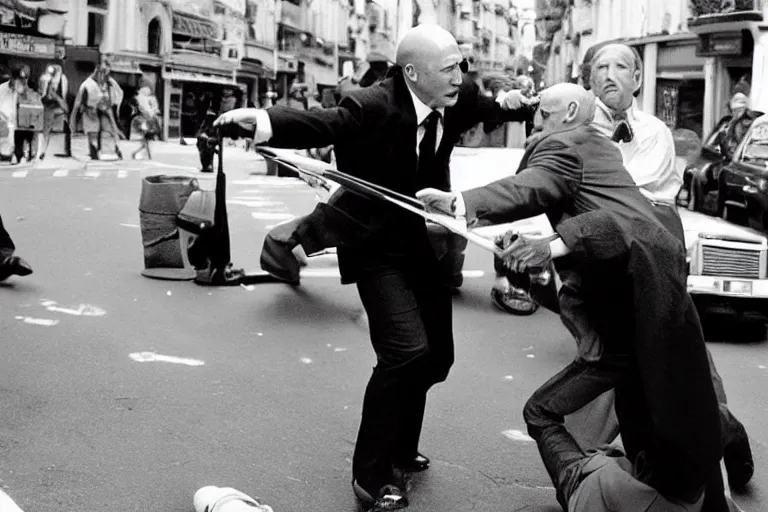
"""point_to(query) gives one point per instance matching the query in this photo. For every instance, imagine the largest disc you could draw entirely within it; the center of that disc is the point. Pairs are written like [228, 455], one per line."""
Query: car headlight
[692, 258]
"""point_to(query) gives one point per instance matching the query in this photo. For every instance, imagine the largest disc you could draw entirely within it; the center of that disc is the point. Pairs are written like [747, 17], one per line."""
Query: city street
[123, 393]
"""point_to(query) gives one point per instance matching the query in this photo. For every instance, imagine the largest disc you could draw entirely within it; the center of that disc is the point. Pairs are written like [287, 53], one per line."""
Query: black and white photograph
[378, 255]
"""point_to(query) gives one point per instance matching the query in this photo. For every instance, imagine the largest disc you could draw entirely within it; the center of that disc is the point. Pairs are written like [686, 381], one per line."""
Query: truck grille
[729, 262]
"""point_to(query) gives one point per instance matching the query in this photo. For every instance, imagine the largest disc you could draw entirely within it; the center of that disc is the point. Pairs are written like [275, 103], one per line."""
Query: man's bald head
[430, 57]
[564, 106]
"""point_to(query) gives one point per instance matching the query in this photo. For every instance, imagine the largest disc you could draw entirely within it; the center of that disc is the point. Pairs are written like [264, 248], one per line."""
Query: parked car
[745, 178]
[700, 179]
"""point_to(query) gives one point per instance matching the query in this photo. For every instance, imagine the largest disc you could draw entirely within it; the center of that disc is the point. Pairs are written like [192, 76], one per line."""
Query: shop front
[35, 51]
[734, 46]
[194, 84]
[132, 70]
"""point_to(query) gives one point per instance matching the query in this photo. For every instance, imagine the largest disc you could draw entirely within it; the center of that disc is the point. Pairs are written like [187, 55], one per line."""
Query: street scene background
[126, 393]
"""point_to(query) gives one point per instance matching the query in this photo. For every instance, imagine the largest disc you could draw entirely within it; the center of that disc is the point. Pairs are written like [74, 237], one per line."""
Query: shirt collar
[422, 110]
[606, 112]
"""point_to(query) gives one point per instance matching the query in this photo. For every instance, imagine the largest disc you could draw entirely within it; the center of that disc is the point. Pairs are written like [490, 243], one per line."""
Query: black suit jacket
[642, 268]
[374, 135]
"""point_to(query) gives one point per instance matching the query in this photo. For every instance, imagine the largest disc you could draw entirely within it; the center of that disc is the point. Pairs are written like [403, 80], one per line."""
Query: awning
[251, 68]
[192, 26]
[192, 76]
[200, 63]
[130, 62]
[260, 53]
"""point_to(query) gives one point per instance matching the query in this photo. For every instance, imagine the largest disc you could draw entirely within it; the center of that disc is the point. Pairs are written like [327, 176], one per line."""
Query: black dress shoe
[389, 497]
[413, 464]
[737, 456]
[13, 265]
[514, 301]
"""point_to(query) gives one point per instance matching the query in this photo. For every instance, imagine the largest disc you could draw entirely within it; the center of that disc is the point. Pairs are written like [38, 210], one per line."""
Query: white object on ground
[7, 504]
[151, 357]
[226, 499]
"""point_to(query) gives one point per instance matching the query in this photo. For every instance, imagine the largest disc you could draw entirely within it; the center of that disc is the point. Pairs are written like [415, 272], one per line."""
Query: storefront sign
[22, 44]
[190, 76]
[188, 26]
[122, 64]
[716, 44]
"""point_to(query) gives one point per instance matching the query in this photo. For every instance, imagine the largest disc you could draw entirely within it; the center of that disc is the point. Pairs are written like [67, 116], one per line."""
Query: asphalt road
[124, 393]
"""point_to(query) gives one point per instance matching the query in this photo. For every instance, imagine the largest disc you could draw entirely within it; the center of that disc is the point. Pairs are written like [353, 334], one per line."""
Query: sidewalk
[162, 151]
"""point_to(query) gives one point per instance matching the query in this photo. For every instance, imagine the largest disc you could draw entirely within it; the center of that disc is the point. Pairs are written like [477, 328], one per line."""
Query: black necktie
[622, 131]
[427, 145]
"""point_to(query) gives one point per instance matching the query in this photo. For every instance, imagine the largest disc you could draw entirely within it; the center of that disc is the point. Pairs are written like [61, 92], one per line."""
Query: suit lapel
[406, 128]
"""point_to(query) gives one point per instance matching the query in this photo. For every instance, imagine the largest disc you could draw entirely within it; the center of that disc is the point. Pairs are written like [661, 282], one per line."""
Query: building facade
[694, 53]
[31, 35]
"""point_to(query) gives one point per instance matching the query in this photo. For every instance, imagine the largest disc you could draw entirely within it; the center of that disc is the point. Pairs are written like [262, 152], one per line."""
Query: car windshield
[756, 149]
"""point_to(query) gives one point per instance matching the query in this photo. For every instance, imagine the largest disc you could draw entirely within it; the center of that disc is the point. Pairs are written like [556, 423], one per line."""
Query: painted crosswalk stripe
[19, 174]
[60, 173]
[271, 216]
[122, 174]
[92, 174]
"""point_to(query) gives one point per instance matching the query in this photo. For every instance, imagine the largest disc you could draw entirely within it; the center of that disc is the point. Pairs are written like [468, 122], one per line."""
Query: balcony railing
[713, 11]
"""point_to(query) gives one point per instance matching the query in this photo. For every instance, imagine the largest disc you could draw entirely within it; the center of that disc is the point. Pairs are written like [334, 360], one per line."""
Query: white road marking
[45, 322]
[509, 377]
[79, 310]
[126, 225]
[272, 216]
[272, 181]
[152, 357]
[306, 360]
[339, 349]
[7, 504]
[87, 209]
[92, 174]
[473, 273]
[60, 173]
[172, 166]
[320, 272]
[122, 174]
[19, 174]
[530, 356]
[517, 435]
[256, 204]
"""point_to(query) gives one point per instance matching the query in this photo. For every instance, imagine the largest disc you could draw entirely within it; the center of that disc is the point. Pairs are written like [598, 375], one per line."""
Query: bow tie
[622, 130]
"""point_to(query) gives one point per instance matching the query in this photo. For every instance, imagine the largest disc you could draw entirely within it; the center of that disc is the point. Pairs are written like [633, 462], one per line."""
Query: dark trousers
[410, 319]
[574, 387]
[19, 138]
[206, 148]
[6, 244]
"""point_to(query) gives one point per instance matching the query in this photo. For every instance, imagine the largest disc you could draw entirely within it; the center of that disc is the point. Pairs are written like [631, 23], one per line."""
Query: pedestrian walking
[147, 122]
[400, 135]
[93, 105]
[54, 88]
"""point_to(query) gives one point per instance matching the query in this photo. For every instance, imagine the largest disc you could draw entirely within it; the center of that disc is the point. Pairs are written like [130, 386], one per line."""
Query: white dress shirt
[649, 156]
[422, 111]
